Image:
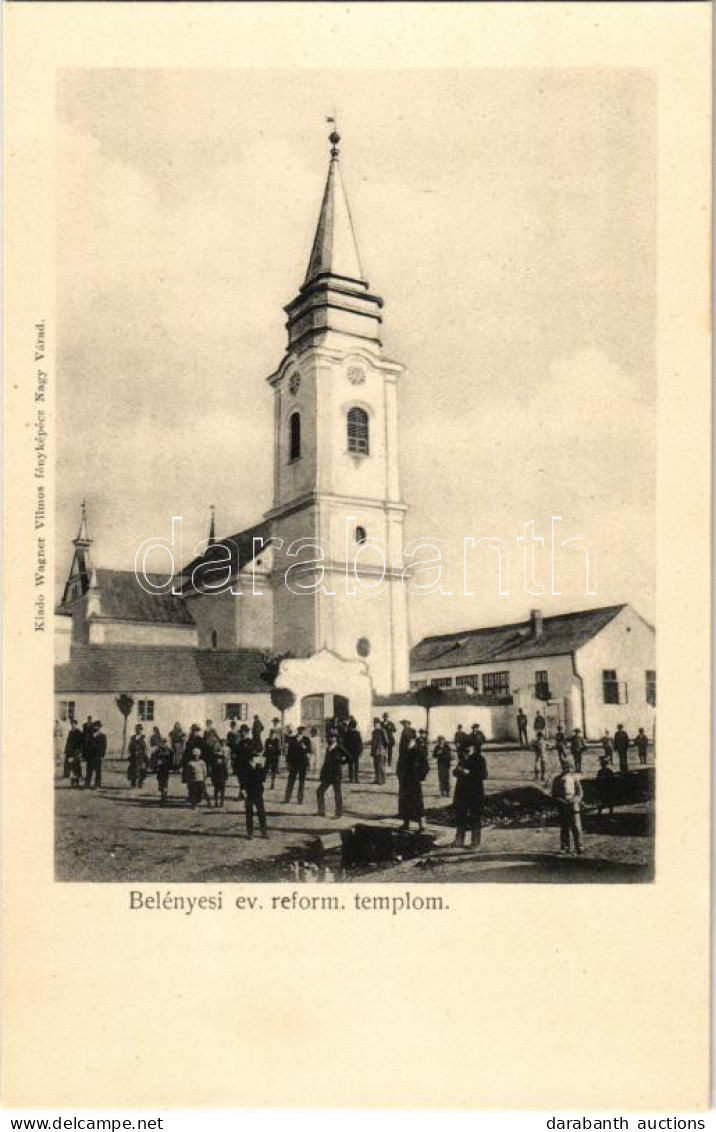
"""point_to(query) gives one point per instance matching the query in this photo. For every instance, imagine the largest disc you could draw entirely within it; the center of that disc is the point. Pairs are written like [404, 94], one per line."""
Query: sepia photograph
[355, 479]
[358, 570]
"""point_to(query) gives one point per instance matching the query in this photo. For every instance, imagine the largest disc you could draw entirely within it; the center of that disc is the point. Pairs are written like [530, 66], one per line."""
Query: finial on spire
[334, 138]
[82, 536]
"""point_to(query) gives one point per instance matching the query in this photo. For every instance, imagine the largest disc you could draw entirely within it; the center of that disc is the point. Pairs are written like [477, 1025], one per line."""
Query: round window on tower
[363, 646]
[361, 535]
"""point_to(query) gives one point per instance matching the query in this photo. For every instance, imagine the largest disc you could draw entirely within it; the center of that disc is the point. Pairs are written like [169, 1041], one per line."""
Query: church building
[319, 577]
[318, 581]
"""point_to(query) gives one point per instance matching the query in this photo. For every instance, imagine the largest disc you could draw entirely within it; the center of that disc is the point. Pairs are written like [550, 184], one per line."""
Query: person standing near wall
[567, 792]
[331, 775]
[389, 732]
[377, 751]
[73, 746]
[522, 729]
[470, 774]
[622, 743]
[642, 746]
[577, 747]
[443, 757]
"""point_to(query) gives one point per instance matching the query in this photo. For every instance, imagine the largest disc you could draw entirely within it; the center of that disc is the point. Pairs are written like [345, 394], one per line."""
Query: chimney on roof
[536, 622]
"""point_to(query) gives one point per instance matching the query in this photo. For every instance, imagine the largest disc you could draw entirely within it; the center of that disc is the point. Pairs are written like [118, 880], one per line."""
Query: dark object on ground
[372, 844]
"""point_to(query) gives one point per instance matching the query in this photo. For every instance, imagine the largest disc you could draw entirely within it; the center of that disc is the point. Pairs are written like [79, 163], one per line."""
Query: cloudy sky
[506, 216]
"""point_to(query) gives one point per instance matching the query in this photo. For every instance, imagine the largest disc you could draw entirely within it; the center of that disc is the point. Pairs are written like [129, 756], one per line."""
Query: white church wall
[62, 638]
[218, 613]
[141, 633]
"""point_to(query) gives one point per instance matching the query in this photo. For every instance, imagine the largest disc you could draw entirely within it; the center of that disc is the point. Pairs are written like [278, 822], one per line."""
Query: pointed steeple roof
[212, 528]
[79, 577]
[83, 538]
[334, 247]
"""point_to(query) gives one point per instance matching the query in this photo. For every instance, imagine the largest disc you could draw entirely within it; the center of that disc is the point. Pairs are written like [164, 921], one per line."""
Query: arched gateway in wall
[326, 683]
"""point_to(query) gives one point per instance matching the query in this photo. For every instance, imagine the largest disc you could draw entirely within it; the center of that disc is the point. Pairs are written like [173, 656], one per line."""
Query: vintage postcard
[357, 574]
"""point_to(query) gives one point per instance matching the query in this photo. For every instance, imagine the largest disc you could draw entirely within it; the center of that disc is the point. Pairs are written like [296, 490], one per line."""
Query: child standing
[196, 779]
[75, 768]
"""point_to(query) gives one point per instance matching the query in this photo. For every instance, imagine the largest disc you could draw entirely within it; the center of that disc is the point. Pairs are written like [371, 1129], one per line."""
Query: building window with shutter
[294, 428]
[467, 681]
[615, 691]
[358, 439]
[235, 711]
[145, 710]
[542, 684]
[67, 710]
[651, 686]
[496, 684]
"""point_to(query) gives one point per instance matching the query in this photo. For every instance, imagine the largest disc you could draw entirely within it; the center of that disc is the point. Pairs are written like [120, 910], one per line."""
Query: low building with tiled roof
[593, 668]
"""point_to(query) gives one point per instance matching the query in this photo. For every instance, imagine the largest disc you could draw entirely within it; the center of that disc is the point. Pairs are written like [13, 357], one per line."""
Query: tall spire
[83, 538]
[79, 577]
[334, 247]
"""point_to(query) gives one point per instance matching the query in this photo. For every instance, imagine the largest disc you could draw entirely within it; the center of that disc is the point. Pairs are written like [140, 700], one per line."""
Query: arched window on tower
[358, 431]
[294, 436]
[214, 638]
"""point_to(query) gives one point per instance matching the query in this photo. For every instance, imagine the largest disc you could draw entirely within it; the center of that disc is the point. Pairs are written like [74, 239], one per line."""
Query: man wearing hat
[389, 732]
[622, 743]
[377, 751]
[577, 747]
[567, 792]
[272, 750]
[96, 751]
[137, 762]
[606, 783]
[297, 762]
[406, 737]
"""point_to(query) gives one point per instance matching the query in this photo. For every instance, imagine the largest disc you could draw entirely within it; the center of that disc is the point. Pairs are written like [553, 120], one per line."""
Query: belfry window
[295, 436]
[358, 440]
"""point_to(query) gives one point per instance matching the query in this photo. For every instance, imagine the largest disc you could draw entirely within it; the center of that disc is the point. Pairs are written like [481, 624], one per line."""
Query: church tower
[336, 476]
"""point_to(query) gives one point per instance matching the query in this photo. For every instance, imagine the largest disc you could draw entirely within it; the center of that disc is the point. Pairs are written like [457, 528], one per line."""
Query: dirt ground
[119, 834]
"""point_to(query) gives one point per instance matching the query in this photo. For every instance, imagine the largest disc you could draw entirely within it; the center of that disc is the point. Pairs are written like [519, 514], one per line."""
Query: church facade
[318, 580]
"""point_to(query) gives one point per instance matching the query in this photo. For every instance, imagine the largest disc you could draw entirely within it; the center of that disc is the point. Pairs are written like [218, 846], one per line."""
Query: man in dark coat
[642, 745]
[354, 746]
[299, 746]
[331, 775]
[377, 752]
[522, 728]
[443, 756]
[272, 751]
[96, 750]
[138, 761]
[254, 774]
[176, 742]
[622, 743]
[577, 747]
[476, 738]
[73, 746]
[389, 732]
[407, 735]
[256, 732]
[242, 757]
[412, 768]
[470, 774]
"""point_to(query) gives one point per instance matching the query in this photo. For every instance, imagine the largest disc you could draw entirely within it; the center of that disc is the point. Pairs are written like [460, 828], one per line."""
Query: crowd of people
[253, 755]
